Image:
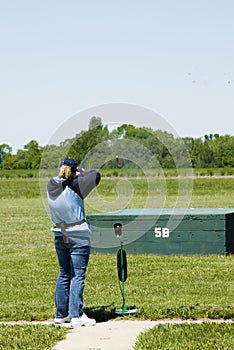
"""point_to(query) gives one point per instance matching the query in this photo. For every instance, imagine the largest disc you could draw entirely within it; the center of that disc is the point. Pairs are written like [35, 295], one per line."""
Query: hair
[65, 172]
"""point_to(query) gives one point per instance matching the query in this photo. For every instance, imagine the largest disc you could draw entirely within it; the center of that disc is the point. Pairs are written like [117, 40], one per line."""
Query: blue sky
[59, 58]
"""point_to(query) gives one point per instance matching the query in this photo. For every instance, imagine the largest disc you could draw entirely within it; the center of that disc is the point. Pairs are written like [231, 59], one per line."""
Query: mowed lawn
[158, 286]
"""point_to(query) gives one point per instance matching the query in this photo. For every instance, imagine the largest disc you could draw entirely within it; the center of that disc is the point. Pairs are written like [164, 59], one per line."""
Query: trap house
[165, 231]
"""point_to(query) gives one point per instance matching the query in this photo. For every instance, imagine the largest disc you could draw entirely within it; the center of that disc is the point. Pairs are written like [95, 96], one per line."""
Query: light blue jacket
[67, 206]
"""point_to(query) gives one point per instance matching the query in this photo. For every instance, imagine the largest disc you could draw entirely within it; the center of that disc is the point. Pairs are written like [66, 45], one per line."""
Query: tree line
[136, 146]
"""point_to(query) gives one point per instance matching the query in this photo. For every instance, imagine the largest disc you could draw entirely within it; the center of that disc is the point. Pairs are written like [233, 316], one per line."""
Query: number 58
[163, 232]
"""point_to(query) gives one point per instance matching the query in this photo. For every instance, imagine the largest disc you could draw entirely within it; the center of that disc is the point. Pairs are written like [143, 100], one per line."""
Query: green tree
[6, 149]
[223, 150]
[95, 122]
[52, 156]
[84, 145]
[6, 155]
[30, 156]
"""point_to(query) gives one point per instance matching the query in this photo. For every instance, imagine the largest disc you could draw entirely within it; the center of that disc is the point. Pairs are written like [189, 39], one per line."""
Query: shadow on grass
[103, 313]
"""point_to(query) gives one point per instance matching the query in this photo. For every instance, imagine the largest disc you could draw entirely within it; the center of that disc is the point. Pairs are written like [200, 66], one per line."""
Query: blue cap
[71, 163]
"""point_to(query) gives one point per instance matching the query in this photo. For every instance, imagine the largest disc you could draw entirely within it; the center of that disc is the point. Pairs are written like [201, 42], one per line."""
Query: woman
[66, 193]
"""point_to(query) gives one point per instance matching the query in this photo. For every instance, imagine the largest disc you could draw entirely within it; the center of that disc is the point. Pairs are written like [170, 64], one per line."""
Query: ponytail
[65, 172]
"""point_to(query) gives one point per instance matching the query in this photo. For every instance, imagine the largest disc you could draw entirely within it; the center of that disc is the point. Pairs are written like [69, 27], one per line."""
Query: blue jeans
[73, 261]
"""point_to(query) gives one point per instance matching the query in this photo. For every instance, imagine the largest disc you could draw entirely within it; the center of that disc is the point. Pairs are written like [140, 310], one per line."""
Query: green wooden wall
[165, 231]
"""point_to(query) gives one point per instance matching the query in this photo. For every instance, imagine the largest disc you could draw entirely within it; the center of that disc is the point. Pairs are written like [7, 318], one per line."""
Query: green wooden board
[165, 231]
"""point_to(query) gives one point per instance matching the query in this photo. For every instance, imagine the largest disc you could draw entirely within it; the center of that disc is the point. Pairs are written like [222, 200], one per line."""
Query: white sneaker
[84, 320]
[62, 320]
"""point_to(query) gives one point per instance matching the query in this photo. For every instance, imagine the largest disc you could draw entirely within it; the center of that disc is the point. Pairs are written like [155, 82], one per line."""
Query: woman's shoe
[62, 320]
[84, 320]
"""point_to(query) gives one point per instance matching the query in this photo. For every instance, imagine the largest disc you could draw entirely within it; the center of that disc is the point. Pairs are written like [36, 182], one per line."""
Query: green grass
[29, 337]
[27, 261]
[158, 286]
[206, 192]
[164, 286]
[121, 172]
[18, 173]
[19, 188]
[203, 336]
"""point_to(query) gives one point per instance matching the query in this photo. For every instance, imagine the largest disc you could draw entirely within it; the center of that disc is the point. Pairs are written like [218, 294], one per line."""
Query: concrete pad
[111, 335]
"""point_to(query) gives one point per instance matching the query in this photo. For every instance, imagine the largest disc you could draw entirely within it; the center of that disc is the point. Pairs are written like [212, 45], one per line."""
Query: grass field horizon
[210, 192]
[225, 172]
